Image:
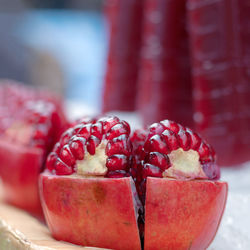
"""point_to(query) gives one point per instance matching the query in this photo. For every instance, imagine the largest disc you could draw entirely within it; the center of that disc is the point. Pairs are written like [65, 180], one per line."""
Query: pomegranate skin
[96, 212]
[19, 171]
[182, 214]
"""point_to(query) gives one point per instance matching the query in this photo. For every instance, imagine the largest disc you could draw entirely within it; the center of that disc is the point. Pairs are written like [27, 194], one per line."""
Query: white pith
[93, 165]
[184, 165]
[20, 132]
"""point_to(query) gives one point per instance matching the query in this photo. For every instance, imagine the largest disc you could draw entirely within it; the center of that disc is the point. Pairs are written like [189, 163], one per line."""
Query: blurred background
[58, 45]
[185, 60]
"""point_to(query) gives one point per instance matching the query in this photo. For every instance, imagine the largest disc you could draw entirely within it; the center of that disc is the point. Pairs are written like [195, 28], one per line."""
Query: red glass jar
[220, 46]
[165, 90]
[125, 19]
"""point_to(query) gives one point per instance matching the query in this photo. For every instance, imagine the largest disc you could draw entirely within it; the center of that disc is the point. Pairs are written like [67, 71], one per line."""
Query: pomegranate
[29, 127]
[105, 188]
[176, 177]
[88, 177]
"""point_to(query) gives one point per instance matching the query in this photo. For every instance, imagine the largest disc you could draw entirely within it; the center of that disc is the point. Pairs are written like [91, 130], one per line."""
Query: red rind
[90, 211]
[19, 171]
[182, 214]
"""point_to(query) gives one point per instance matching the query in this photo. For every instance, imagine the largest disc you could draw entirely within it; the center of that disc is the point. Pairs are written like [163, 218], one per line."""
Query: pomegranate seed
[171, 139]
[204, 152]
[66, 136]
[116, 131]
[66, 156]
[157, 144]
[155, 128]
[118, 145]
[184, 139]
[194, 138]
[108, 123]
[173, 126]
[92, 143]
[77, 147]
[117, 162]
[159, 160]
[62, 169]
[151, 170]
[96, 130]
[85, 131]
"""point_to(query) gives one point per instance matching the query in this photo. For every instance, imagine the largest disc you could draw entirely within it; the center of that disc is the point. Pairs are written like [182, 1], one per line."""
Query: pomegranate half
[30, 124]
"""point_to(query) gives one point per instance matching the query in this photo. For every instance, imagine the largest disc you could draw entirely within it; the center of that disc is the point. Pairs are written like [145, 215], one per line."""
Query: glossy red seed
[159, 160]
[195, 140]
[204, 152]
[157, 144]
[138, 137]
[85, 131]
[173, 126]
[117, 162]
[66, 156]
[151, 170]
[62, 169]
[92, 143]
[184, 140]
[116, 131]
[118, 145]
[171, 139]
[108, 123]
[96, 130]
[66, 136]
[77, 128]
[155, 128]
[77, 147]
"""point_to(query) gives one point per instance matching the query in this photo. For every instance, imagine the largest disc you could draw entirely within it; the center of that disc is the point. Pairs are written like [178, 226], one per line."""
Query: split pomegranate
[93, 172]
[176, 178]
[169, 149]
[30, 125]
[80, 204]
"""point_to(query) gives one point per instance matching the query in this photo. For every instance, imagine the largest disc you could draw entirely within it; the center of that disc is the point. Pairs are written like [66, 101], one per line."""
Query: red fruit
[19, 169]
[103, 142]
[96, 212]
[170, 150]
[182, 214]
[117, 162]
[30, 126]
[179, 214]
[167, 140]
